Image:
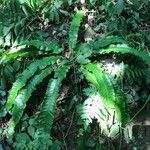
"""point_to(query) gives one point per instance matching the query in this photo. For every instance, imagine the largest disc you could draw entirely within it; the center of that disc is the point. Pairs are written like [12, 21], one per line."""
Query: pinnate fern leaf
[7, 56]
[50, 46]
[23, 97]
[124, 49]
[46, 116]
[119, 6]
[96, 75]
[73, 33]
[99, 78]
[25, 76]
[93, 108]
[134, 72]
[106, 41]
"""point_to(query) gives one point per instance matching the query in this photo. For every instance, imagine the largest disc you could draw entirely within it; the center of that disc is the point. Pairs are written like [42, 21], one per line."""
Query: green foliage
[52, 10]
[96, 75]
[23, 97]
[83, 52]
[46, 116]
[73, 34]
[51, 46]
[28, 73]
[94, 108]
[16, 22]
[53, 89]
[10, 56]
[133, 72]
[106, 41]
[124, 49]
[27, 81]
[33, 5]
[23, 20]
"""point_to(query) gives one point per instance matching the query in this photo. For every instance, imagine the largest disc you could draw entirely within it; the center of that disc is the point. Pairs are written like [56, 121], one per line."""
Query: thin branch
[141, 108]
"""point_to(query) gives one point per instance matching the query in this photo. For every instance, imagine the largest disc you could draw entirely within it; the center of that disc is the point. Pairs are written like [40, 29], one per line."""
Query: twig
[112, 146]
[64, 141]
[140, 109]
[70, 124]
[120, 141]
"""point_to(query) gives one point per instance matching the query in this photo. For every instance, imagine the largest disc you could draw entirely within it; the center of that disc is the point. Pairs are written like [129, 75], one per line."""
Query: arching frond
[135, 72]
[73, 33]
[94, 108]
[51, 10]
[23, 96]
[99, 78]
[25, 76]
[49, 46]
[46, 116]
[96, 75]
[9, 56]
[106, 41]
[124, 49]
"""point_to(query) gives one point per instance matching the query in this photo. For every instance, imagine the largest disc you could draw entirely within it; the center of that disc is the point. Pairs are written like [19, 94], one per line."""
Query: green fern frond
[121, 105]
[106, 41]
[51, 10]
[99, 78]
[8, 56]
[92, 108]
[124, 49]
[46, 116]
[54, 14]
[95, 108]
[34, 4]
[73, 33]
[25, 76]
[83, 52]
[96, 75]
[50, 46]
[23, 96]
[134, 72]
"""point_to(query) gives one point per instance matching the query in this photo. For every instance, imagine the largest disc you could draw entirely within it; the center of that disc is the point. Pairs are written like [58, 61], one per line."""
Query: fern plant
[31, 77]
[22, 20]
[87, 57]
